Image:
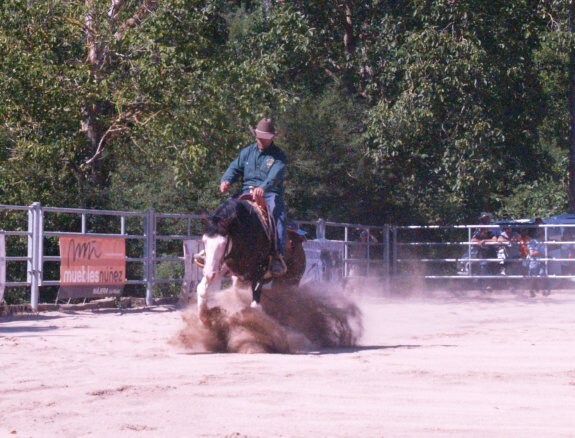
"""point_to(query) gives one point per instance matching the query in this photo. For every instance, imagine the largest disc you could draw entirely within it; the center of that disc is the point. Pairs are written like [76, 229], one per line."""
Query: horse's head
[215, 248]
[219, 222]
[216, 237]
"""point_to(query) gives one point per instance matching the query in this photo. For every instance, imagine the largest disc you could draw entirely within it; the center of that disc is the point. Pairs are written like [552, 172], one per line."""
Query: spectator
[523, 242]
[507, 248]
[484, 243]
[536, 267]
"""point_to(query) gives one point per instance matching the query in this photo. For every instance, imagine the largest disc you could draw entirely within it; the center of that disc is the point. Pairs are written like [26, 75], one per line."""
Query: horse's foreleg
[206, 286]
[202, 293]
[256, 294]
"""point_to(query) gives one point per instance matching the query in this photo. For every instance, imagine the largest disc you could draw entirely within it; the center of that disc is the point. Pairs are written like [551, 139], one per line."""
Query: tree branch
[145, 9]
[115, 8]
[100, 147]
[94, 51]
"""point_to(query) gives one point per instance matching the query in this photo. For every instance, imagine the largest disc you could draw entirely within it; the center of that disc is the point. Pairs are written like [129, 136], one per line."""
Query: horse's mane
[220, 220]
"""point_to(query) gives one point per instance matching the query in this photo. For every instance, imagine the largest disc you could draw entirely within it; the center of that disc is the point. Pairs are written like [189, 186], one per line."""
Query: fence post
[386, 260]
[346, 252]
[34, 271]
[320, 229]
[150, 255]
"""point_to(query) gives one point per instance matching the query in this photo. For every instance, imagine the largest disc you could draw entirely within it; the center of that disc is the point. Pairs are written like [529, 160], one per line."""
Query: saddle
[264, 216]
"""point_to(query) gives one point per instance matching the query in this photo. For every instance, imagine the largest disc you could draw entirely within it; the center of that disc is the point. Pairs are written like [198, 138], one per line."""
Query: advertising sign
[92, 266]
[2, 265]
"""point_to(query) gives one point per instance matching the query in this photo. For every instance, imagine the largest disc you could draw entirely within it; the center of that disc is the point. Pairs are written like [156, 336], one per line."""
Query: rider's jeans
[276, 205]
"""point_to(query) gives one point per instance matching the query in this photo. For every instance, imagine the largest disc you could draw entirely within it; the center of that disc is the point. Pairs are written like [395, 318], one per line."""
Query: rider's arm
[235, 169]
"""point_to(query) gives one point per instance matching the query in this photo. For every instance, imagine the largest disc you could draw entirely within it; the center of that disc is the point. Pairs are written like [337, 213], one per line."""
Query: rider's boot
[278, 266]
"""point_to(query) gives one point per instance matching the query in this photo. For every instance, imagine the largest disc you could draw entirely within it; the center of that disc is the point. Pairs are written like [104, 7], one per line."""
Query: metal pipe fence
[46, 224]
[154, 242]
[336, 252]
[449, 253]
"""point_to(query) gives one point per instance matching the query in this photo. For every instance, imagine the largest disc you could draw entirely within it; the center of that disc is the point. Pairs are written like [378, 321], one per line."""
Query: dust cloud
[291, 320]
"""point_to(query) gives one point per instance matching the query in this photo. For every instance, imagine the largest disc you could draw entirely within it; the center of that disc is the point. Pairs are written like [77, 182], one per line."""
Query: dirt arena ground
[472, 365]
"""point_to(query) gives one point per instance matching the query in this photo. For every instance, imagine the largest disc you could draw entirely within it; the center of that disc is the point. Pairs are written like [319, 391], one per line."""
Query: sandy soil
[501, 365]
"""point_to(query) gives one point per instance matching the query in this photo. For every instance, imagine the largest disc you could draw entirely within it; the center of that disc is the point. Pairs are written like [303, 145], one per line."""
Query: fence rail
[335, 251]
[449, 253]
[156, 239]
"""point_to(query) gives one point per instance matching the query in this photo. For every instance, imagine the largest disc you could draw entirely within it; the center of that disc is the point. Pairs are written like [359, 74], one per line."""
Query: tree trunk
[90, 125]
[348, 36]
[266, 7]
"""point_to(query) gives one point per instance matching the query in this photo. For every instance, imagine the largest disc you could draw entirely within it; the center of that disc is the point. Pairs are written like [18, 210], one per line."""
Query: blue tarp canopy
[563, 218]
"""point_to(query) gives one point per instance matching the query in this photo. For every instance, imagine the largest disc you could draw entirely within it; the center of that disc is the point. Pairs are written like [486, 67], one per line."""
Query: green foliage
[457, 127]
[327, 161]
[169, 270]
[408, 111]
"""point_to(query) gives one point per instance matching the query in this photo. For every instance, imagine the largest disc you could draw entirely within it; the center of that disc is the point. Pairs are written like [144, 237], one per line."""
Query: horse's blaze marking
[215, 248]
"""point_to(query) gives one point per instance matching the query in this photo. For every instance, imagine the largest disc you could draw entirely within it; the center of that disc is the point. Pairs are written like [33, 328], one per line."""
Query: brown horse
[237, 242]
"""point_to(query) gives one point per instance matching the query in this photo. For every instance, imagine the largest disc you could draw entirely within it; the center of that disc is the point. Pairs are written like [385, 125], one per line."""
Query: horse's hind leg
[256, 294]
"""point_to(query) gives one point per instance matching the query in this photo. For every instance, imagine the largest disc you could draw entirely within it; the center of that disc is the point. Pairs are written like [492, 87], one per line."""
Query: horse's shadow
[4, 331]
[360, 349]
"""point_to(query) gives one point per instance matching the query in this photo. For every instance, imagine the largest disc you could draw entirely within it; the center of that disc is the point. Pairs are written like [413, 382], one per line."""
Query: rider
[261, 166]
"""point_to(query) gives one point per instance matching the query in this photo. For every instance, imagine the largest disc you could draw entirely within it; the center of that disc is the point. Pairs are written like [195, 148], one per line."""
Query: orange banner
[92, 261]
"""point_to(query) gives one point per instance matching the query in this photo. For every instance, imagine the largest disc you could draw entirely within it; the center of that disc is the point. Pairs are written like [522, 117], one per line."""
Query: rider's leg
[276, 206]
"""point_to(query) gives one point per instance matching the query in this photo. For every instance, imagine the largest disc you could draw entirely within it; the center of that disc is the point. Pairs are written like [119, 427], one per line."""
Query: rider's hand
[224, 186]
[258, 193]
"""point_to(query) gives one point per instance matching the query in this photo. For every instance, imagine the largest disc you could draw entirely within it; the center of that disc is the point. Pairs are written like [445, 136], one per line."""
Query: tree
[422, 111]
[453, 130]
[103, 83]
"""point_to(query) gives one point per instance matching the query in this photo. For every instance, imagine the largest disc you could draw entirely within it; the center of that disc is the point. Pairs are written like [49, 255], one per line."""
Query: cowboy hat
[265, 129]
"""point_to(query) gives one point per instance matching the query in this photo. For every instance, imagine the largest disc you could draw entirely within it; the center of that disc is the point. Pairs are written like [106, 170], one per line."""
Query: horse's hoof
[255, 305]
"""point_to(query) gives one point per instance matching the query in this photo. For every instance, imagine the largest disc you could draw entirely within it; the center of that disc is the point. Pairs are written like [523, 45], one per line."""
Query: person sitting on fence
[522, 245]
[536, 267]
[507, 248]
[484, 243]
